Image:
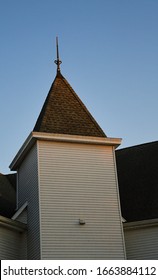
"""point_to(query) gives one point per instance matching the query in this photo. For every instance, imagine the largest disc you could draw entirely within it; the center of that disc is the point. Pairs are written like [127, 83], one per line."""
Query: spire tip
[57, 61]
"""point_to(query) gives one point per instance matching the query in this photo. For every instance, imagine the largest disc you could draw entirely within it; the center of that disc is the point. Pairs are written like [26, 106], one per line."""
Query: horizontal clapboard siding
[28, 192]
[142, 243]
[78, 181]
[11, 243]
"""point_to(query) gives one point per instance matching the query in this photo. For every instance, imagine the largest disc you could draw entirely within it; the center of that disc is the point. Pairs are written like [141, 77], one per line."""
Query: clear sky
[109, 53]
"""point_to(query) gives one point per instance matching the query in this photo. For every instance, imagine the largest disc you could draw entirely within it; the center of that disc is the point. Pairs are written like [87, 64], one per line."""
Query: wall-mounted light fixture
[82, 222]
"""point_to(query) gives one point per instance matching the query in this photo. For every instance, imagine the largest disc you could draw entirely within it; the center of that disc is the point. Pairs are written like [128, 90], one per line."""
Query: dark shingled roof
[138, 181]
[7, 195]
[64, 113]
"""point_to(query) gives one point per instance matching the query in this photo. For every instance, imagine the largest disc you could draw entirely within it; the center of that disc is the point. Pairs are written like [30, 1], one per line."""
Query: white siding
[28, 191]
[12, 244]
[79, 181]
[142, 243]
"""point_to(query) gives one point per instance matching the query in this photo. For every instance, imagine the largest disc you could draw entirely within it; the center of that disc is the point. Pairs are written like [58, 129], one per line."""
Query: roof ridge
[81, 103]
[138, 145]
[36, 127]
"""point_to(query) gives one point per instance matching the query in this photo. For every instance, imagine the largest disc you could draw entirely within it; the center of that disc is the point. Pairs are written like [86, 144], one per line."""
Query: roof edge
[19, 211]
[140, 224]
[11, 224]
[83, 106]
[34, 136]
[137, 146]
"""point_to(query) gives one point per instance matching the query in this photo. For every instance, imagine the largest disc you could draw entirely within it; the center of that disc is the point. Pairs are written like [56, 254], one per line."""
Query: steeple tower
[67, 182]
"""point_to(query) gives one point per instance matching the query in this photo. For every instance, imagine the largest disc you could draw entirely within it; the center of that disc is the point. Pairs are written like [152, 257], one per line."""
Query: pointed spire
[64, 113]
[57, 61]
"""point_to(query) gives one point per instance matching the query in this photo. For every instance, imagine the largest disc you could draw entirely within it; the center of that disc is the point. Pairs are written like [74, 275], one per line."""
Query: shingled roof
[7, 195]
[64, 113]
[138, 181]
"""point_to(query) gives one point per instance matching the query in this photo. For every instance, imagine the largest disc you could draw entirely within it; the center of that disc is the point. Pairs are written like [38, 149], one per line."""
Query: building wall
[78, 181]
[22, 217]
[27, 177]
[142, 242]
[12, 244]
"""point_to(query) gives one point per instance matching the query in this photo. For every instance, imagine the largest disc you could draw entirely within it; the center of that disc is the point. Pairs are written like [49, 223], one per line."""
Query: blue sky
[109, 53]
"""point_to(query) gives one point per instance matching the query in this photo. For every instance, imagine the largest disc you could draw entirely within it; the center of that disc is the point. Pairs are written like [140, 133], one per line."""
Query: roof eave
[34, 136]
[22, 152]
[140, 224]
[11, 224]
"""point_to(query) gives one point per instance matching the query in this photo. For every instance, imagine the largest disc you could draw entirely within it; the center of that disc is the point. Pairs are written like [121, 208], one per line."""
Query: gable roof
[137, 168]
[7, 195]
[64, 113]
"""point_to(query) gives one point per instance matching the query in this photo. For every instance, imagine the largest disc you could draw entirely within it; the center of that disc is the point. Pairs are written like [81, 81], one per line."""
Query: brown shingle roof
[64, 113]
[138, 181]
[7, 195]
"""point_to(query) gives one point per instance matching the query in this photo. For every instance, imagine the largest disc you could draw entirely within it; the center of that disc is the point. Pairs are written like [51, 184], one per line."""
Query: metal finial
[57, 61]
